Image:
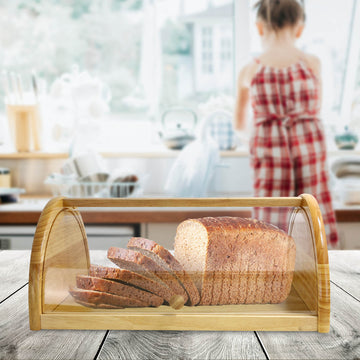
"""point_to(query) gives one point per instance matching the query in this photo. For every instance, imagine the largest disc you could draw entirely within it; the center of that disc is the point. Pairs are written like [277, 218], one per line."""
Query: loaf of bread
[235, 260]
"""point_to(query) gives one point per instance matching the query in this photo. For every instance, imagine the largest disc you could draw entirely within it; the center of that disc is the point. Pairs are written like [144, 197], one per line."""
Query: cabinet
[349, 235]
[18, 237]
[100, 237]
[162, 233]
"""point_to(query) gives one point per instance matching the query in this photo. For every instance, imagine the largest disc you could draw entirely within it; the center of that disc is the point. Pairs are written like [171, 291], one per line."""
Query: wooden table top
[18, 342]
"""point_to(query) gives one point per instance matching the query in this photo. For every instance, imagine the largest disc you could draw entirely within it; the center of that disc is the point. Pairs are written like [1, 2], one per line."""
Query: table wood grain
[18, 342]
[346, 273]
[343, 341]
[145, 345]
[14, 270]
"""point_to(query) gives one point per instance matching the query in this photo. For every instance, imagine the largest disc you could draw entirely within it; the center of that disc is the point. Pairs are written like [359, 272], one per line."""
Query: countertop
[150, 151]
[28, 210]
[18, 342]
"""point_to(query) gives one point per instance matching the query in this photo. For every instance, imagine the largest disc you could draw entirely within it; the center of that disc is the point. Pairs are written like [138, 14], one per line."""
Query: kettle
[178, 137]
[346, 140]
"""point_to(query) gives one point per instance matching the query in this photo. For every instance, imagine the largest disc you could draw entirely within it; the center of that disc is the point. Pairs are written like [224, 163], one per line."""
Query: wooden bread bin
[60, 252]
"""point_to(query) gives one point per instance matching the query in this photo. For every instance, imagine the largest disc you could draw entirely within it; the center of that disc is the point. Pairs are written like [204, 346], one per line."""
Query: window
[207, 50]
[157, 54]
[226, 48]
[192, 69]
[153, 54]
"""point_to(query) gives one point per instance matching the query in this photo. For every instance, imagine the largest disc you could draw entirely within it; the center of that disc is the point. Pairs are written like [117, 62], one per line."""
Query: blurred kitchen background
[101, 97]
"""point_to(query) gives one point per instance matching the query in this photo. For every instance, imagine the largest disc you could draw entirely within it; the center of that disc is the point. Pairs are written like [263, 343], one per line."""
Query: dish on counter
[10, 195]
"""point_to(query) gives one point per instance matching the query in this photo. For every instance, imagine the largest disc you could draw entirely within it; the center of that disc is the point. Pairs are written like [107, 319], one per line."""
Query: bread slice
[139, 263]
[236, 260]
[117, 288]
[98, 299]
[132, 278]
[166, 260]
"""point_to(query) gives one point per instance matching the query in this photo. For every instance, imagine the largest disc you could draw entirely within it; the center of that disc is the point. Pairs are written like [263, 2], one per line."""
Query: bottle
[5, 178]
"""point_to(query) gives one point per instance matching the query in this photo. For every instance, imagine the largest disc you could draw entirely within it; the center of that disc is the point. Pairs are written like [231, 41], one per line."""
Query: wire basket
[90, 189]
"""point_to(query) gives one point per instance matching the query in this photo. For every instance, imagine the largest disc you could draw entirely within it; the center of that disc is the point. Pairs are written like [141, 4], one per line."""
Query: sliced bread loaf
[236, 260]
[144, 265]
[132, 278]
[98, 299]
[117, 288]
[166, 260]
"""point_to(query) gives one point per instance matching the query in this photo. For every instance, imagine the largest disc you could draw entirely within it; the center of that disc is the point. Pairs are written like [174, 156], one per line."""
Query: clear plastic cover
[220, 260]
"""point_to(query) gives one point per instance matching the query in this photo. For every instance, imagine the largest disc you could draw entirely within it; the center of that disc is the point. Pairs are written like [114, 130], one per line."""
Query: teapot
[346, 140]
[178, 137]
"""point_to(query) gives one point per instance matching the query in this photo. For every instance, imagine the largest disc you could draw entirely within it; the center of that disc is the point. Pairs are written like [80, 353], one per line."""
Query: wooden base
[290, 315]
[210, 322]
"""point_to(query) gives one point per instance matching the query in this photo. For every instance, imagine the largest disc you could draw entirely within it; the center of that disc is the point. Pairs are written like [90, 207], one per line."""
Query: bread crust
[132, 278]
[117, 288]
[99, 299]
[138, 243]
[126, 258]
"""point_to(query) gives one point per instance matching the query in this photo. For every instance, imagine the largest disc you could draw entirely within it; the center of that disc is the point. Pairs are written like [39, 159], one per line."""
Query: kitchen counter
[153, 151]
[28, 210]
[18, 342]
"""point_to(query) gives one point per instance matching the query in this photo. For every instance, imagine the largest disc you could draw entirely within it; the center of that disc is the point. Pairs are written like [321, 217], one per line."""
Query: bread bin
[60, 252]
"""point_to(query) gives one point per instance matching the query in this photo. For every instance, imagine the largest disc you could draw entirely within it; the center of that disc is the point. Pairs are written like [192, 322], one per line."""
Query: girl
[287, 145]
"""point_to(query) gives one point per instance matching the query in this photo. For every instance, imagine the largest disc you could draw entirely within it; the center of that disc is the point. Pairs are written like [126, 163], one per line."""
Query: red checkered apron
[288, 150]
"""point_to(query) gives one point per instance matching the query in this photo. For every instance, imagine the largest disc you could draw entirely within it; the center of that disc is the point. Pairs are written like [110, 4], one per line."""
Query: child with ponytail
[287, 145]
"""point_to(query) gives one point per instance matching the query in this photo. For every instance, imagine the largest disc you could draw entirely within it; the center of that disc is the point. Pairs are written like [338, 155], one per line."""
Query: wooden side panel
[37, 260]
[57, 232]
[67, 255]
[305, 275]
[321, 255]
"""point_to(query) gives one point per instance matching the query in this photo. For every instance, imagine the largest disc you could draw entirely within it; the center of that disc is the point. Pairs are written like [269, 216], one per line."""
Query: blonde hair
[278, 14]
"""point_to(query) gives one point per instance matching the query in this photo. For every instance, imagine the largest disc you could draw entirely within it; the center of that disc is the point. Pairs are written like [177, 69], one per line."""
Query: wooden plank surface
[17, 341]
[14, 270]
[148, 345]
[341, 343]
[345, 270]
